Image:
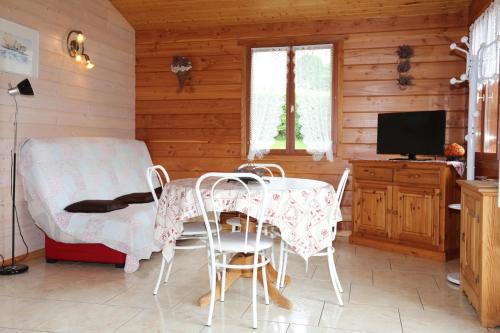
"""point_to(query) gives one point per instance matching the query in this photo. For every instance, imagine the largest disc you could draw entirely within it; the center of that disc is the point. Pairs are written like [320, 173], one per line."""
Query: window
[291, 100]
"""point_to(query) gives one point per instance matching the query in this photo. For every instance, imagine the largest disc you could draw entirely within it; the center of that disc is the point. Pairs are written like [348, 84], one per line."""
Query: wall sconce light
[76, 48]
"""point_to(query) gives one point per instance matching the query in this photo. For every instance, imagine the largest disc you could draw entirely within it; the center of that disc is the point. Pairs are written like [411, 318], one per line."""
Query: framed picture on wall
[18, 49]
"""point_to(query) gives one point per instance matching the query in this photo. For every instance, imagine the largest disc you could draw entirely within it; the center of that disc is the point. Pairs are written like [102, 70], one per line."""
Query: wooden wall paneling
[196, 13]
[307, 28]
[69, 100]
[200, 129]
[476, 8]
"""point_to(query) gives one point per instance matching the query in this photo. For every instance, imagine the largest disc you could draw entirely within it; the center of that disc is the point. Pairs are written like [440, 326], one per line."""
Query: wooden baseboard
[31, 255]
[393, 247]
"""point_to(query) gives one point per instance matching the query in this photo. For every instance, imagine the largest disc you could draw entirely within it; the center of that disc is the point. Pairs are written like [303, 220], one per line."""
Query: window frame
[337, 91]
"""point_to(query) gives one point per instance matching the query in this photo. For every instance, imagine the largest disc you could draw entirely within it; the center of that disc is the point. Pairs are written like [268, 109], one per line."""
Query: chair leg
[170, 264]
[331, 266]
[337, 277]
[223, 279]
[254, 295]
[264, 282]
[160, 276]
[209, 268]
[285, 262]
[273, 262]
[280, 265]
[212, 290]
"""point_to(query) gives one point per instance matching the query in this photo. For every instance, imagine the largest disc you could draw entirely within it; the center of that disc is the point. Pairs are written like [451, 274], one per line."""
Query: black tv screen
[411, 133]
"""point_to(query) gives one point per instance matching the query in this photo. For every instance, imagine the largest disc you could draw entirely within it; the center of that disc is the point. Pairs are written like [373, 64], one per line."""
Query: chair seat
[196, 228]
[235, 242]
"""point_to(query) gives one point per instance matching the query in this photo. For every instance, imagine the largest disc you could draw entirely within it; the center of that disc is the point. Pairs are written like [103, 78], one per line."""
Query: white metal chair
[235, 222]
[235, 242]
[192, 230]
[280, 281]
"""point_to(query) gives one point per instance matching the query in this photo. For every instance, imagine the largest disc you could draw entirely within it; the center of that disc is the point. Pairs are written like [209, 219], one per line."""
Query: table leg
[234, 274]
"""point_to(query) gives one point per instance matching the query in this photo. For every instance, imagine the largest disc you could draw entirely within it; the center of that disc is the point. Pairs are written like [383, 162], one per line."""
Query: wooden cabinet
[402, 206]
[480, 249]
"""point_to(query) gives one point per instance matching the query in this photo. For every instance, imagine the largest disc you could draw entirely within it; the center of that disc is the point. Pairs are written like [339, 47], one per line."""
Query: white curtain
[267, 97]
[313, 98]
[484, 33]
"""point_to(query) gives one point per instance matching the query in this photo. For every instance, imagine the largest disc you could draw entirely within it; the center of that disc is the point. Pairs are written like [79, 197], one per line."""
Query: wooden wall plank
[369, 120]
[175, 106]
[404, 103]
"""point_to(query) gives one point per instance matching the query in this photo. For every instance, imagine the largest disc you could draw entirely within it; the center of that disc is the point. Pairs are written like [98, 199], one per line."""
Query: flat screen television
[411, 133]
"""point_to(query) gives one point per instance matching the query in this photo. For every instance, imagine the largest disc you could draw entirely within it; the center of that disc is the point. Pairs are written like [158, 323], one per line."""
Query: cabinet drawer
[370, 173]
[418, 176]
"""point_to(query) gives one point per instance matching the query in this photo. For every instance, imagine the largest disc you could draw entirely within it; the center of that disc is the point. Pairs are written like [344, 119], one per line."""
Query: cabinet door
[372, 209]
[470, 246]
[417, 215]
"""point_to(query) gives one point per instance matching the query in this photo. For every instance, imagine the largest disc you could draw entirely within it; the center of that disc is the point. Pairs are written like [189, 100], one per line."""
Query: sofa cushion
[95, 206]
[139, 197]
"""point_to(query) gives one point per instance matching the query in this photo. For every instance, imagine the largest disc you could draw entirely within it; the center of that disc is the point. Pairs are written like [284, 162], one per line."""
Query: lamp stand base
[13, 269]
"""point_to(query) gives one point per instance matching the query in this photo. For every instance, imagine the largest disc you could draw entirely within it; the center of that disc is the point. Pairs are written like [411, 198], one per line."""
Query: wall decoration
[181, 67]
[404, 52]
[18, 49]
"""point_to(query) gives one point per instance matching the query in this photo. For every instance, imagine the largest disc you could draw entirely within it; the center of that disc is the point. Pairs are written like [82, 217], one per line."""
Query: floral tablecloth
[304, 210]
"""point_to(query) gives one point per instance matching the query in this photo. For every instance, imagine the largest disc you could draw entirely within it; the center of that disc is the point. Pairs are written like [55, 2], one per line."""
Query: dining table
[303, 210]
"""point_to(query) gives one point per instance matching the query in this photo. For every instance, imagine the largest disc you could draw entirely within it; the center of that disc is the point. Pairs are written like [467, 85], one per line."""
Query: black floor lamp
[23, 88]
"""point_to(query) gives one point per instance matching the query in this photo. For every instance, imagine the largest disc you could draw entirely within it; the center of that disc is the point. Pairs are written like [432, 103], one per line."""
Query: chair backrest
[156, 171]
[339, 193]
[265, 166]
[341, 187]
[257, 209]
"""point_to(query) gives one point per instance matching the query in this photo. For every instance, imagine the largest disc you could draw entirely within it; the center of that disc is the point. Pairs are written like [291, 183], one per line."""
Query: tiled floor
[383, 292]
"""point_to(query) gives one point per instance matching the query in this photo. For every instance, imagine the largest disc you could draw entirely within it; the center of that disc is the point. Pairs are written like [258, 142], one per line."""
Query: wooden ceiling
[150, 14]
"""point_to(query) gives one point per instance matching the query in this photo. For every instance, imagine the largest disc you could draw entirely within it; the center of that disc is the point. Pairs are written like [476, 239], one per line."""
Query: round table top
[273, 184]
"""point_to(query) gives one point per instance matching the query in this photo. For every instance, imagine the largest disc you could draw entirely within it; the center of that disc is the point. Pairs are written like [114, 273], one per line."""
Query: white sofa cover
[60, 171]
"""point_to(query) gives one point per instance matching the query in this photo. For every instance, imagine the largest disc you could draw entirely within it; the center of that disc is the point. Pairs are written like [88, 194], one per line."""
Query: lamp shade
[22, 88]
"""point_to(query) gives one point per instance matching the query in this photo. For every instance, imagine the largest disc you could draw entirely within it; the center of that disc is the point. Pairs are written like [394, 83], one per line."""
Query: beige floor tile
[358, 262]
[245, 326]
[25, 313]
[314, 290]
[415, 264]
[403, 280]
[75, 317]
[346, 275]
[446, 300]
[368, 252]
[388, 297]
[168, 296]
[12, 330]
[438, 321]
[231, 308]
[313, 329]
[77, 289]
[377, 319]
[158, 321]
[304, 312]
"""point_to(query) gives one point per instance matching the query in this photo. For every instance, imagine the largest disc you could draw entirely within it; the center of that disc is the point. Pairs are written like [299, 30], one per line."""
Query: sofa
[60, 171]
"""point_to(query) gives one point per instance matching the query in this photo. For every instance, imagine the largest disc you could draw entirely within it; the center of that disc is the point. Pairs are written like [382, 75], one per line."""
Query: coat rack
[472, 74]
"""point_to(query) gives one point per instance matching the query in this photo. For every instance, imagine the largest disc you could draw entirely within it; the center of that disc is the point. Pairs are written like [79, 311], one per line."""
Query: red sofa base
[97, 253]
